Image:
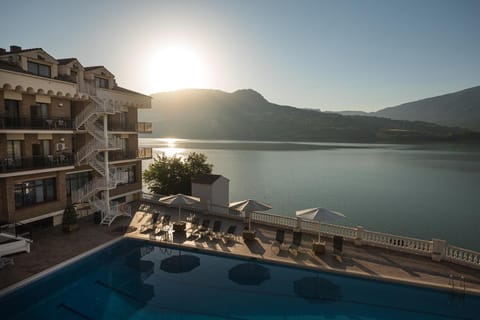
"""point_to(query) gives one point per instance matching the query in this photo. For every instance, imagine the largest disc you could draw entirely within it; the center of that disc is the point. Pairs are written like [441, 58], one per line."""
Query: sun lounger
[230, 234]
[203, 229]
[277, 245]
[150, 225]
[296, 243]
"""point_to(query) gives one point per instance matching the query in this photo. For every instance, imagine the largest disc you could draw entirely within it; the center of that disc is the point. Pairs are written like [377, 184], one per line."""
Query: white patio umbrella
[248, 206]
[320, 215]
[179, 200]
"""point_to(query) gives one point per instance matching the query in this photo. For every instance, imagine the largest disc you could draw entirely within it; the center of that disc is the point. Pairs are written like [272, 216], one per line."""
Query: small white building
[213, 191]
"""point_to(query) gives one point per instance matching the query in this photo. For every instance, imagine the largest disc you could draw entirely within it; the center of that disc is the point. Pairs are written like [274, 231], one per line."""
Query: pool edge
[5, 291]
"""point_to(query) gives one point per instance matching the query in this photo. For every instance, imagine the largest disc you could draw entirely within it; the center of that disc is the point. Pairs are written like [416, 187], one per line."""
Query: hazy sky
[333, 55]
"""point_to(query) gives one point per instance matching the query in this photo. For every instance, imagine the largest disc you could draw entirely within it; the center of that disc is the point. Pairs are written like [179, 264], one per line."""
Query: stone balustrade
[437, 249]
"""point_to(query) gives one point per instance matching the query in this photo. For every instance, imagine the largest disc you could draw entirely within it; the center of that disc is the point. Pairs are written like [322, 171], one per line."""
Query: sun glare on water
[171, 149]
[174, 68]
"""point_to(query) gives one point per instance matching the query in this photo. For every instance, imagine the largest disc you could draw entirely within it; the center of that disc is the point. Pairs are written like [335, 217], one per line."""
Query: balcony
[120, 126]
[144, 127]
[36, 123]
[35, 163]
[141, 153]
[144, 153]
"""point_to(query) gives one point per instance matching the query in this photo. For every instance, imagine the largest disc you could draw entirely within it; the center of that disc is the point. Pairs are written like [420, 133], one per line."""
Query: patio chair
[230, 234]
[166, 220]
[338, 247]
[152, 224]
[279, 241]
[296, 243]
[194, 223]
[202, 230]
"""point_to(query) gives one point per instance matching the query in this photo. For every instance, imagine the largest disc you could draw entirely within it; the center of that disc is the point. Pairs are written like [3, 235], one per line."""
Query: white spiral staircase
[95, 154]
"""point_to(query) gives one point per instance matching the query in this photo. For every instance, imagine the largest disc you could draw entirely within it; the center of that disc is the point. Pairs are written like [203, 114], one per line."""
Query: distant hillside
[458, 109]
[352, 113]
[247, 115]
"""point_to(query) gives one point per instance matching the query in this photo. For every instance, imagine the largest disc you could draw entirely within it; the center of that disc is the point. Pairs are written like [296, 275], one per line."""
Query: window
[73, 75]
[34, 192]
[39, 69]
[126, 175]
[14, 149]
[45, 147]
[39, 111]
[77, 180]
[101, 82]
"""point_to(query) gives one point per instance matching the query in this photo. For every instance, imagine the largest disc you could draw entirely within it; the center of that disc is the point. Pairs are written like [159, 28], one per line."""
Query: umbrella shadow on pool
[180, 263]
[317, 290]
[249, 274]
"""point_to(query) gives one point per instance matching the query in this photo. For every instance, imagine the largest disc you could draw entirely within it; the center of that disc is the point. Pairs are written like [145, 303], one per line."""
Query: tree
[172, 175]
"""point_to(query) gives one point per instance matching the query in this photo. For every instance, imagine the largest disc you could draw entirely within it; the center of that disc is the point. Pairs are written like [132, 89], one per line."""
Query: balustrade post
[438, 249]
[359, 238]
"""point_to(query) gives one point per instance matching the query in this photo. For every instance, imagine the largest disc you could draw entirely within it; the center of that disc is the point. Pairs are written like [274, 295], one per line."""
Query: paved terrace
[52, 247]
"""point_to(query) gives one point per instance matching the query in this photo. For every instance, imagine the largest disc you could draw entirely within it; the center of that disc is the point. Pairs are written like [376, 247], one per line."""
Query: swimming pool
[134, 279]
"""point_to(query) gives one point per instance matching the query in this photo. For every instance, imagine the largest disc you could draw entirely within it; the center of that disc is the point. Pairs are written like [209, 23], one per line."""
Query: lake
[422, 191]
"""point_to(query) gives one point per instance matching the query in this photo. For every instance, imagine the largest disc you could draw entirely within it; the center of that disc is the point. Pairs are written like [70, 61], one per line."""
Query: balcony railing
[144, 127]
[144, 153]
[141, 153]
[122, 155]
[121, 126]
[36, 123]
[34, 163]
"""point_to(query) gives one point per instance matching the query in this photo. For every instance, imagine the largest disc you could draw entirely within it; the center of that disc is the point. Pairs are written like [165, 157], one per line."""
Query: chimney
[3, 51]
[15, 49]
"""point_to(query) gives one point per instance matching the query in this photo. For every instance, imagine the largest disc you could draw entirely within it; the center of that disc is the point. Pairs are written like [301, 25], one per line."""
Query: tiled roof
[5, 65]
[129, 91]
[20, 51]
[93, 68]
[66, 60]
[206, 179]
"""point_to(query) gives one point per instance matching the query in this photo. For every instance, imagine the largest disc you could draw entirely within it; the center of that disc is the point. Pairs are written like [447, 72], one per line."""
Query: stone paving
[51, 247]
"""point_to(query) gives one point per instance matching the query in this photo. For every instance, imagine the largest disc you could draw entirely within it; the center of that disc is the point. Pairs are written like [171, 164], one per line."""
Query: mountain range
[457, 109]
[247, 115]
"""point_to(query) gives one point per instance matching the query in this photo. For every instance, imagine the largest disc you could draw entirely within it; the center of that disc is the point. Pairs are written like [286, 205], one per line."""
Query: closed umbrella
[248, 206]
[179, 200]
[320, 215]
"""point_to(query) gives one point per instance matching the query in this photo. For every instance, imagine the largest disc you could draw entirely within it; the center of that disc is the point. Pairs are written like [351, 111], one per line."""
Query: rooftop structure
[68, 134]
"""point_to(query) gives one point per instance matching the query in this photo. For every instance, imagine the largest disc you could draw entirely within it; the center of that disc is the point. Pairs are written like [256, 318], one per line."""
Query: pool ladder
[461, 287]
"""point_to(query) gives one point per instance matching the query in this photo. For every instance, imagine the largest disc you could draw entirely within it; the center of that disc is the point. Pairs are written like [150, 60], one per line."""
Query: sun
[172, 68]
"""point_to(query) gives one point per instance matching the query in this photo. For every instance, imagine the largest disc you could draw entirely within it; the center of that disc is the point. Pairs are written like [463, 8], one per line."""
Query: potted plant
[70, 219]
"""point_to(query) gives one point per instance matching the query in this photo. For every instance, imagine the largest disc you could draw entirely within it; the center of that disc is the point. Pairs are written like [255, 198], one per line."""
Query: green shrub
[70, 215]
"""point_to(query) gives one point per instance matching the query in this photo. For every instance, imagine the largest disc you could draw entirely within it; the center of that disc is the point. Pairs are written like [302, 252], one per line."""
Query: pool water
[134, 279]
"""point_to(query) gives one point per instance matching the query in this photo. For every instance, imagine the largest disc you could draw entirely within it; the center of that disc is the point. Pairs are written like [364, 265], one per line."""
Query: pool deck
[52, 247]
[364, 261]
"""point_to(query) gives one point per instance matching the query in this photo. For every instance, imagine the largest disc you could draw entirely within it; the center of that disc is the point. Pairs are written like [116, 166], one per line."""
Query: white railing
[273, 219]
[462, 256]
[84, 115]
[399, 243]
[360, 236]
[337, 230]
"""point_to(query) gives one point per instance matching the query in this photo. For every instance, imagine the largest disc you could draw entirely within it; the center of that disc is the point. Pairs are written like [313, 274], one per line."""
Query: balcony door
[39, 114]
[14, 153]
[12, 113]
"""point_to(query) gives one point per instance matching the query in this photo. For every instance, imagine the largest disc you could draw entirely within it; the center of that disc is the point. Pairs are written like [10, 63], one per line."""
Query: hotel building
[68, 134]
